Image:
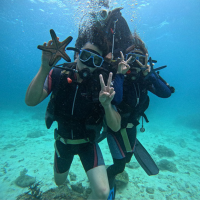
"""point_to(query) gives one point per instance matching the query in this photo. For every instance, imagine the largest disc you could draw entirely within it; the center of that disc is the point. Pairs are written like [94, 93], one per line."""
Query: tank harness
[130, 118]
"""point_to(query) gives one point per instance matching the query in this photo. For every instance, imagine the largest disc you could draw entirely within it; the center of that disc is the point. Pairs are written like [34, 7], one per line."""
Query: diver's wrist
[106, 106]
[45, 69]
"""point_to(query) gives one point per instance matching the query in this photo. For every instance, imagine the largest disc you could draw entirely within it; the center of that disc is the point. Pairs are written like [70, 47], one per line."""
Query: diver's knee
[103, 193]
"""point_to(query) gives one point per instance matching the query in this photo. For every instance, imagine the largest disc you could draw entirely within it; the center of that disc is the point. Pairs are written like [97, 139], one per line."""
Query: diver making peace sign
[79, 104]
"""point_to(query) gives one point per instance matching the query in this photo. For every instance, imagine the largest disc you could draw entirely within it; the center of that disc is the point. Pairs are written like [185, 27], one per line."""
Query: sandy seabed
[36, 154]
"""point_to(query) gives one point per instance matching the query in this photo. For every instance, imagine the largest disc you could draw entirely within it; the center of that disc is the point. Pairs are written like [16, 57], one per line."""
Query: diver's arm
[35, 92]
[122, 68]
[158, 87]
[106, 95]
[113, 118]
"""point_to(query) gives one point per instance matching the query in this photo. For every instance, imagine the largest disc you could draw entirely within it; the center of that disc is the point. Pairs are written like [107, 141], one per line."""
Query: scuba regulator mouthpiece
[85, 74]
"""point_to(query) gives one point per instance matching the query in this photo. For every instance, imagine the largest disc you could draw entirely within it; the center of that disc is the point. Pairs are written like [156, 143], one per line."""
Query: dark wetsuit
[73, 106]
[76, 104]
[135, 102]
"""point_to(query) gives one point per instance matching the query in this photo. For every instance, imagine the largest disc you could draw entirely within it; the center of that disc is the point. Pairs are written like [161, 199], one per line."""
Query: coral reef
[78, 187]
[34, 191]
[24, 180]
[74, 191]
[61, 193]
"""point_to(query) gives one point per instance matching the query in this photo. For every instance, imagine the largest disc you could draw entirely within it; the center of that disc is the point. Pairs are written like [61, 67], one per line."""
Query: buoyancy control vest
[134, 103]
[75, 106]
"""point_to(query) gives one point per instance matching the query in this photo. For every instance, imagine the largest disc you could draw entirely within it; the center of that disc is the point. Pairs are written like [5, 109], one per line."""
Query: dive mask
[90, 58]
[135, 57]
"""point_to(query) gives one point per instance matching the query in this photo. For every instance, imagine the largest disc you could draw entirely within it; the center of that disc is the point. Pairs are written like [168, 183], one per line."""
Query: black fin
[145, 160]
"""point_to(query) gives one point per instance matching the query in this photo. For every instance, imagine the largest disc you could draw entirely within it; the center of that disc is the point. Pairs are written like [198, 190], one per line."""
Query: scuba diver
[138, 80]
[80, 102]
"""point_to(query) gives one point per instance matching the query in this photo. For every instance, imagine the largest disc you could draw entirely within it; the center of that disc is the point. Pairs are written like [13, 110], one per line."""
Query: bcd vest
[130, 113]
[75, 106]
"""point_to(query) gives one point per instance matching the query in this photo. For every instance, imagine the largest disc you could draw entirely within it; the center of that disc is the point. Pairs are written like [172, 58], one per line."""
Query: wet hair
[138, 44]
[95, 36]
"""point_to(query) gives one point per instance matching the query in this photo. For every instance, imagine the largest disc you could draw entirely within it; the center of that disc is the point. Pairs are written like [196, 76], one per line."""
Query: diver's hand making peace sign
[123, 66]
[145, 65]
[107, 93]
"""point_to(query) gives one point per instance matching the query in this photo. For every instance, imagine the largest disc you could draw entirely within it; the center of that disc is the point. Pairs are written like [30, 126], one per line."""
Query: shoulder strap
[59, 78]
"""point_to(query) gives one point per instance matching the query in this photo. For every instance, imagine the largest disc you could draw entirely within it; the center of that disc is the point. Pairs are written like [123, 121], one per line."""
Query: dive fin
[145, 160]
[111, 195]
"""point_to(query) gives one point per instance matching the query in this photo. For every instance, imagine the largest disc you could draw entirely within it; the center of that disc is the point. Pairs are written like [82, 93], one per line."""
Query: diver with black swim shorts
[72, 104]
[80, 103]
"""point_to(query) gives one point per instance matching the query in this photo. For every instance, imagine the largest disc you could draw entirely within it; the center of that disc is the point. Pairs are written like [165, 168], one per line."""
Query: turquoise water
[171, 31]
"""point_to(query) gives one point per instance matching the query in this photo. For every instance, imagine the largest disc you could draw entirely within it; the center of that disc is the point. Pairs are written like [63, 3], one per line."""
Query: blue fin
[111, 195]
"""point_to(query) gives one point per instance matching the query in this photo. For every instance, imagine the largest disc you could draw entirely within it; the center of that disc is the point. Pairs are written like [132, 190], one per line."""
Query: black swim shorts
[90, 155]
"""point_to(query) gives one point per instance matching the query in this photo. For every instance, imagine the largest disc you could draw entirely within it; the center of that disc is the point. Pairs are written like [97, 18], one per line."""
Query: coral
[78, 187]
[122, 180]
[167, 165]
[24, 180]
[133, 165]
[34, 190]
[61, 193]
[163, 151]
